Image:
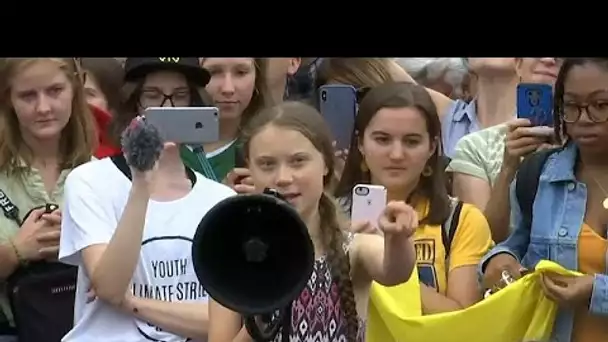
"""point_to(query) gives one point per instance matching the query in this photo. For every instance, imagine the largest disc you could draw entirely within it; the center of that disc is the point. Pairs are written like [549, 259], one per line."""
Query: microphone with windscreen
[141, 144]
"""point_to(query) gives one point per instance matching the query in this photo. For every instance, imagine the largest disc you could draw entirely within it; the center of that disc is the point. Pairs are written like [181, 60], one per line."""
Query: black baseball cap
[139, 67]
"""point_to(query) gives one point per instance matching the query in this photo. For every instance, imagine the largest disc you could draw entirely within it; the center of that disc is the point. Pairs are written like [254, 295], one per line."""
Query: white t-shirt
[95, 196]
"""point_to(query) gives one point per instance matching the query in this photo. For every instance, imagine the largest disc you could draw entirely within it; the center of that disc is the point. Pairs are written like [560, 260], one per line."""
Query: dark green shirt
[221, 163]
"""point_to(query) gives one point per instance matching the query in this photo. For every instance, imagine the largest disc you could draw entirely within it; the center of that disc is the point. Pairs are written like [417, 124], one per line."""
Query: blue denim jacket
[559, 209]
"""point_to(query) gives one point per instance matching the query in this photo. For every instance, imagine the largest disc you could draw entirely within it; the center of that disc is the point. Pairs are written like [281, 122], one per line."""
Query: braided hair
[306, 120]
[558, 102]
[339, 263]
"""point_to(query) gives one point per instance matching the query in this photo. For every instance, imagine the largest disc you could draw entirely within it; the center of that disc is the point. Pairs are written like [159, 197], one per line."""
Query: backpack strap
[121, 163]
[448, 228]
[444, 161]
[526, 183]
[10, 210]
[205, 164]
[449, 176]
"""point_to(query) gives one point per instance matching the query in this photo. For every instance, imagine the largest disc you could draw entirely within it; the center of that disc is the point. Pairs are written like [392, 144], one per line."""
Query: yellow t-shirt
[471, 241]
[591, 260]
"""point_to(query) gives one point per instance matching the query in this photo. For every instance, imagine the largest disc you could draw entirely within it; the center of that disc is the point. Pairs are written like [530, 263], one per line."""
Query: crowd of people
[440, 135]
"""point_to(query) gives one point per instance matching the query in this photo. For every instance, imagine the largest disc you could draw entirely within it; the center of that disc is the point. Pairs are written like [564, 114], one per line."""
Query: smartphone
[338, 105]
[535, 103]
[368, 202]
[49, 208]
[185, 125]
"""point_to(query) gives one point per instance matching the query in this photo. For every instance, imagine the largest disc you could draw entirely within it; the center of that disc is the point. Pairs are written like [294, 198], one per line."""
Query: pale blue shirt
[460, 120]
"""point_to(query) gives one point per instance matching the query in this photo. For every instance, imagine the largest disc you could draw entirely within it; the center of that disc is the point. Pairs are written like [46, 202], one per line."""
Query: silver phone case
[185, 125]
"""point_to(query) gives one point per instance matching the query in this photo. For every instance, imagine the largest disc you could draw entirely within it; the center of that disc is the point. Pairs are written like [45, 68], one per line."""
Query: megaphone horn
[252, 253]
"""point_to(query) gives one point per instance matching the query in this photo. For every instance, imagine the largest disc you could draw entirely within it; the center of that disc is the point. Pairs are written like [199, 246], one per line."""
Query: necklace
[605, 201]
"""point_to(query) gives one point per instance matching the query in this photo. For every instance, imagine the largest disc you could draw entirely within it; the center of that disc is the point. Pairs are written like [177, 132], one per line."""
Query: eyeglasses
[156, 98]
[597, 111]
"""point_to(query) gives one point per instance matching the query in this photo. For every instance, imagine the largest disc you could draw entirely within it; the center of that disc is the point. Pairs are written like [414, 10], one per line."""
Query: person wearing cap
[130, 229]
[138, 68]
[165, 81]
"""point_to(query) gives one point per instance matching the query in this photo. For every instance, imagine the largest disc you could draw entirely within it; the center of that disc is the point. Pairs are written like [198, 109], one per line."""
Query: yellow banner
[518, 313]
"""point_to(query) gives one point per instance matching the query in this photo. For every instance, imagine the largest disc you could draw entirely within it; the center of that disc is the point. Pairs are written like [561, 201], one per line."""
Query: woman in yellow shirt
[396, 143]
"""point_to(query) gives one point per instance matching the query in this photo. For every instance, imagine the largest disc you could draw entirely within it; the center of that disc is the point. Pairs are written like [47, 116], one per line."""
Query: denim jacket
[559, 209]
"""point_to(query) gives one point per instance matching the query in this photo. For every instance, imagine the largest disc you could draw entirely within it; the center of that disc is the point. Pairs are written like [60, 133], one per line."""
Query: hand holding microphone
[142, 145]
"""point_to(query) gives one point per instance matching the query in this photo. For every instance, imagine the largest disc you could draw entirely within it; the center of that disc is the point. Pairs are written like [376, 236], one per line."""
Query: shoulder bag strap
[10, 210]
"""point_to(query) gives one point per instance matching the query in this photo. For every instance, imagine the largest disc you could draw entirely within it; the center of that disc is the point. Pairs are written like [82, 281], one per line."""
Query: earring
[427, 171]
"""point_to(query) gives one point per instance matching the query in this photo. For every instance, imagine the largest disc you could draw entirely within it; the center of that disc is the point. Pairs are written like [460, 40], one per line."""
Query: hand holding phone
[522, 139]
[368, 203]
[535, 103]
[52, 214]
[185, 125]
[364, 227]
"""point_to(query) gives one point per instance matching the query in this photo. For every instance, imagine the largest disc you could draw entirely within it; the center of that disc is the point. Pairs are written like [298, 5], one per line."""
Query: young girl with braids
[300, 168]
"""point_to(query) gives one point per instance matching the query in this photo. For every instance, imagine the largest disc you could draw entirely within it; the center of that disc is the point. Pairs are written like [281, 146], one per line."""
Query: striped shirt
[480, 154]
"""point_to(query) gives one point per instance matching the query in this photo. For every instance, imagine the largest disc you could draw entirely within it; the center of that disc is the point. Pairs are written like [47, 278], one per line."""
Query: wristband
[22, 261]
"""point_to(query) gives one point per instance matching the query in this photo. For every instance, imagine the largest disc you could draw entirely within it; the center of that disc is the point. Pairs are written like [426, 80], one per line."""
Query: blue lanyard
[204, 162]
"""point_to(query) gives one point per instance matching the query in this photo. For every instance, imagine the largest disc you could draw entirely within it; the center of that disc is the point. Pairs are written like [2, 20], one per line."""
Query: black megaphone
[252, 253]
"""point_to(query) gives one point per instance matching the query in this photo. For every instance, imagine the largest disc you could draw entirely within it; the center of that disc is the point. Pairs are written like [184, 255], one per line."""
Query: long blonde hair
[358, 72]
[78, 137]
[261, 97]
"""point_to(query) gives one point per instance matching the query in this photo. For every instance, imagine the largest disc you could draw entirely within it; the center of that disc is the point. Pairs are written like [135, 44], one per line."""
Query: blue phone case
[338, 104]
[535, 103]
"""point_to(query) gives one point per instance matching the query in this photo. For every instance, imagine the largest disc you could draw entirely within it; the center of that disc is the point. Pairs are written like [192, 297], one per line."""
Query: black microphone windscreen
[141, 144]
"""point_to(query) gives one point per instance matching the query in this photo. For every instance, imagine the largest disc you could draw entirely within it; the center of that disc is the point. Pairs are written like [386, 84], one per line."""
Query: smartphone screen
[368, 202]
[338, 104]
[535, 103]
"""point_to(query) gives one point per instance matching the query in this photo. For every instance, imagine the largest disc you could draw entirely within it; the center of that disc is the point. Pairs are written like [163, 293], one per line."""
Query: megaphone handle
[259, 334]
[273, 192]
[273, 324]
